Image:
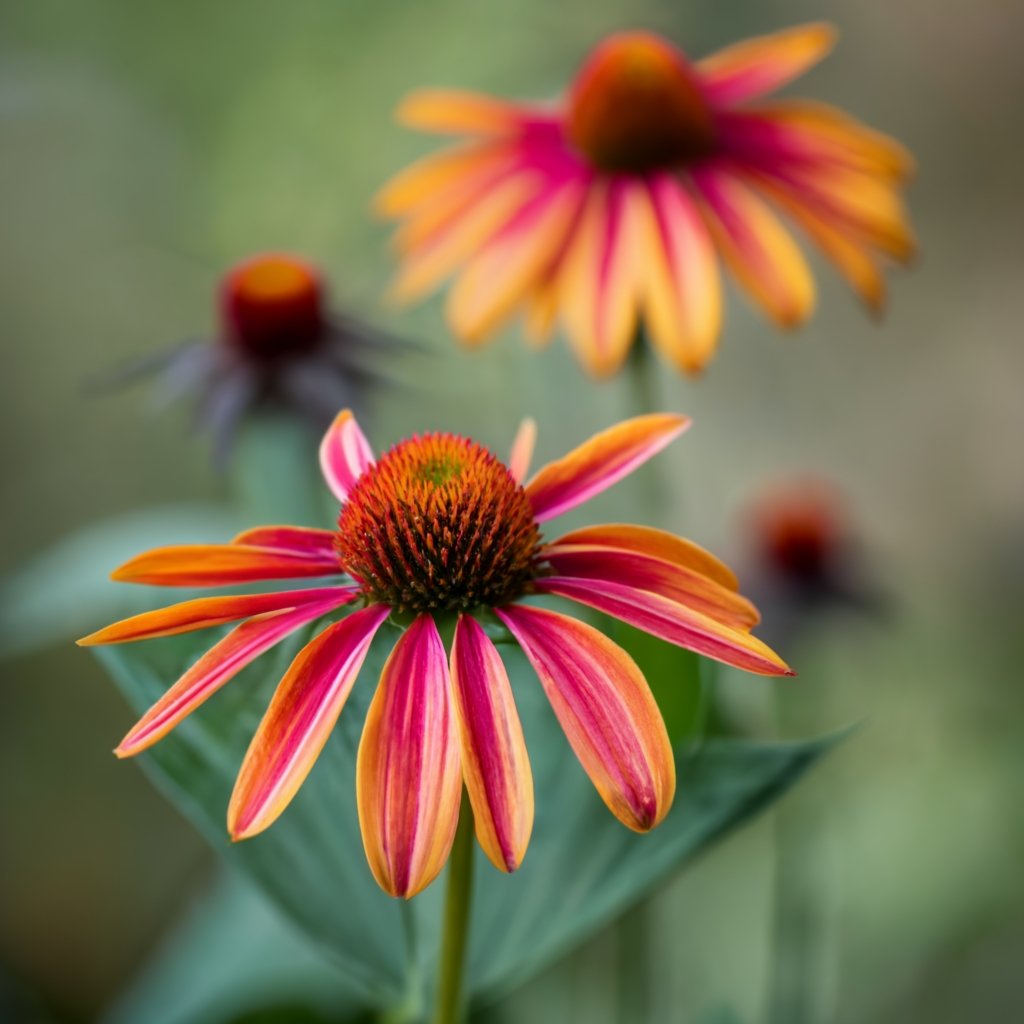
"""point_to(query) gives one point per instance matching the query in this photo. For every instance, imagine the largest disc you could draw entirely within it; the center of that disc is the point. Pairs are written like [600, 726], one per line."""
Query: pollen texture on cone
[438, 523]
[636, 106]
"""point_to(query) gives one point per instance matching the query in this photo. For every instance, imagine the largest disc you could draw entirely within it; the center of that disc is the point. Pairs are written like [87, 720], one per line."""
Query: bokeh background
[145, 147]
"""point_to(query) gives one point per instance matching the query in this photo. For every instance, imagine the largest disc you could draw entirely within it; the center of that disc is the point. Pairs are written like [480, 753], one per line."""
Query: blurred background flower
[608, 212]
[148, 147]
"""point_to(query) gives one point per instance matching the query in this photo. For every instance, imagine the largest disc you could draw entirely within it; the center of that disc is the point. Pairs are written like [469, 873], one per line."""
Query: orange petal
[408, 771]
[670, 621]
[496, 280]
[202, 565]
[760, 252]
[304, 710]
[630, 568]
[454, 112]
[600, 462]
[606, 709]
[205, 612]
[224, 660]
[682, 290]
[522, 449]
[494, 759]
[757, 66]
[658, 544]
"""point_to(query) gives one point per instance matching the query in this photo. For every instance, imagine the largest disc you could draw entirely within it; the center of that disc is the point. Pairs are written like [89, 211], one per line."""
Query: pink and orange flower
[439, 532]
[611, 209]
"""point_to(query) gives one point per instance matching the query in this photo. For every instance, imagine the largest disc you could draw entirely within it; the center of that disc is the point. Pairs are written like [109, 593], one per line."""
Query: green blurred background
[147, 146]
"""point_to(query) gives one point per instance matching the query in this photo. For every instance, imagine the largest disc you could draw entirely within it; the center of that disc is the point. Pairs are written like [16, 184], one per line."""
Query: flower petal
[600, 462]
[345, 455]
[495, 764]
[522, 449]
[760, 252]
[299, 540]
[408, 772]
[204, 565]
[606, 709]
[682, 287]
[301, 715]
[454, 112]
[224, 660]
[496, 280]
[204, 612]
[757, 66]
[655, 575]
[658, 544]
[670, 621]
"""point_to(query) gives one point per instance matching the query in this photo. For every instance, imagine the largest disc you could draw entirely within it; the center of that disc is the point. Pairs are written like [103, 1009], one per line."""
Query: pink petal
[224, 660]
[205, 612]
[671, 621]
[298, 721]
[297, 540]
[605, 707]
[656, 576]
[522, 450]
[758, 66]
[345, 455]
[408, 771]
[494, 759]
[600, 462]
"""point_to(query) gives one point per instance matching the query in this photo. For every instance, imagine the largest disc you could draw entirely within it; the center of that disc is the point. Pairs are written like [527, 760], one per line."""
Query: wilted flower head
[438, 534]
[611, 208]
[277, 346]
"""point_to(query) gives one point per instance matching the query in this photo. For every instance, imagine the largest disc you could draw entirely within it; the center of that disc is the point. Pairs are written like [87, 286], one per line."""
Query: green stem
[458, 900]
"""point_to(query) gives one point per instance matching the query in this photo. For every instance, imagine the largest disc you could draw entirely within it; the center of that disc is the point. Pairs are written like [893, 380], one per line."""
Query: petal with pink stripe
[760, 252]
[655, 575]
[298, 540]
[600, 462]
[204, 612]
[606, 710]
[495, 764]
[408, 771]
[670, 621]
[345, 455]
[758, 66]
[522, 450]
[224, 660]
[299, 720]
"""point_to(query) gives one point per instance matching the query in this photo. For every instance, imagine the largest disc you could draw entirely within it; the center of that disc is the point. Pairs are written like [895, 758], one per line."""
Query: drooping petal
[606, 709]
[408, 772]
[224, 660]
[851, 257]
[682, 287]
[298, 721]
[600, 462]
[658, 544]
[345, 455]
[758, 66]
[670, 621]
[495, 764]
[760, 252]
[454, 112]
[443, 251]
[495, 281]
[655, 575]
[808, 132]
[418, 184]
[204, 612]
[522, 449]
[300, 540]
[205, 565]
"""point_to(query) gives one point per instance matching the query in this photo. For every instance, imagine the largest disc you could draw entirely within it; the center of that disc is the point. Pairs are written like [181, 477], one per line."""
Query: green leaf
[582, 869]
[65, 591]
[233, 955]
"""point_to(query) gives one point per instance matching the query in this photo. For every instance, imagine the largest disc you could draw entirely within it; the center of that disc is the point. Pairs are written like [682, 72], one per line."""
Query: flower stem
[458, 900]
